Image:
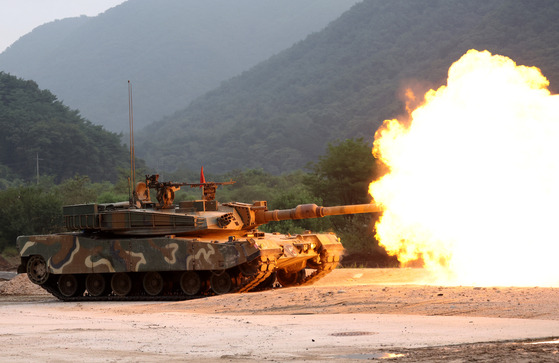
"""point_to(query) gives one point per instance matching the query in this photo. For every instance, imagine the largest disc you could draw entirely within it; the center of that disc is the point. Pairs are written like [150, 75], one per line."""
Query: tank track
[318, 274]
[329, 263]
[52, 288]
[265, 270]
[252, 284]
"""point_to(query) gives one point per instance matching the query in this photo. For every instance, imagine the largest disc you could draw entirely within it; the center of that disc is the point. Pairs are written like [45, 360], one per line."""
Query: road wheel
[153, 283]
[287, 278]
[37, 270]
[121, 283]
[190, 283]
[221, 283]
[68, 285]
[96, 285]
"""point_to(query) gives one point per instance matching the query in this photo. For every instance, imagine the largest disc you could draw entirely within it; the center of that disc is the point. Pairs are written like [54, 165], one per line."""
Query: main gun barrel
[306, 211]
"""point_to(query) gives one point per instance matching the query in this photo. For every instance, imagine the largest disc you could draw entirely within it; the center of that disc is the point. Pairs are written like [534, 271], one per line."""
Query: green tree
[77, 190]
[342, 176]
[8, 178]
[80, 190]
[28, 210]
[39, 130]
[297, 194]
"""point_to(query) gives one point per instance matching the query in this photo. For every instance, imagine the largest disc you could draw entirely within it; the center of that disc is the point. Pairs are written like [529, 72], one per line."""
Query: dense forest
[40, 131]
[345, 80]
[171, 50]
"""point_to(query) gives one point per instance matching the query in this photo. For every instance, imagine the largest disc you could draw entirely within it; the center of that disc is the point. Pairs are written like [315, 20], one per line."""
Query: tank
[157, 250]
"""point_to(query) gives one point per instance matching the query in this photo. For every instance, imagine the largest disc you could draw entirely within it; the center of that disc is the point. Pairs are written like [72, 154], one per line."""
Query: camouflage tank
[157, 250]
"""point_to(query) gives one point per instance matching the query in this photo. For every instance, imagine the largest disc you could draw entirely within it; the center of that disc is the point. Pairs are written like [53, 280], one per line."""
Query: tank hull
[79, 266]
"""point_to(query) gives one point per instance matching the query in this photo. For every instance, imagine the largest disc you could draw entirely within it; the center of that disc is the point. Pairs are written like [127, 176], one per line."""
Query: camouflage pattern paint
[74, 253]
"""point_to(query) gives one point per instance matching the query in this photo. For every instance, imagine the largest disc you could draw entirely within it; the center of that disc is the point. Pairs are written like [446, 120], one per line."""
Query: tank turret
[161, 250]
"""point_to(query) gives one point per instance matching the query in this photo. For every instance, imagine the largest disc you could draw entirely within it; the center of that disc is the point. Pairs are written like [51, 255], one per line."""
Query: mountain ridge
[171, 50]
[41, 135]
[344, 81]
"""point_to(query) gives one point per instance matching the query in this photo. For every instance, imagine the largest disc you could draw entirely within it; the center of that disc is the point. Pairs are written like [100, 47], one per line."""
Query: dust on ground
[383, 291]
[356, 291]
[20, 286]
[344, 291]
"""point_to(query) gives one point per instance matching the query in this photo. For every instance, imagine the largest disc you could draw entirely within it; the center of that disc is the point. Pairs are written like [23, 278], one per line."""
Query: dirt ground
[355, 315]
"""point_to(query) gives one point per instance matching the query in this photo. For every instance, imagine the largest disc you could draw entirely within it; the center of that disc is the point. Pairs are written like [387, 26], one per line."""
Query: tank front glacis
[146, 250]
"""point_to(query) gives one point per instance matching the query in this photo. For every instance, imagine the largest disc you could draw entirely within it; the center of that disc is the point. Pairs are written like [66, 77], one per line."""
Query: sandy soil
[350, 315]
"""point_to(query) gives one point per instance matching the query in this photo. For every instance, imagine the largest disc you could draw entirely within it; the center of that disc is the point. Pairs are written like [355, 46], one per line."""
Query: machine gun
[166, 190]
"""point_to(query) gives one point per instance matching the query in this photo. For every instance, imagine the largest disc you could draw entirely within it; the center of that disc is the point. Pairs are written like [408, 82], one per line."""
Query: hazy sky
[19, 17]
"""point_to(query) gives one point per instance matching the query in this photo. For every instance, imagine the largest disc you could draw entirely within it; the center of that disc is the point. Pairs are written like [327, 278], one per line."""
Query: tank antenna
[132, 151]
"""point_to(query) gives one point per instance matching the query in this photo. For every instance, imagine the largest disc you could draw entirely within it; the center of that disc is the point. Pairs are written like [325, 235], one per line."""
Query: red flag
[202, 179]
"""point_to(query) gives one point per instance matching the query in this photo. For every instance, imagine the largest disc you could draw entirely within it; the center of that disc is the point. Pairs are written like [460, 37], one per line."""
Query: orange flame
[473, 187]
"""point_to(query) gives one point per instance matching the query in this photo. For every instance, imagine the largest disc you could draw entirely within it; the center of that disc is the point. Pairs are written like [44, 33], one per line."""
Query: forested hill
[171, 50]
[343, 81]
[35, 125]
